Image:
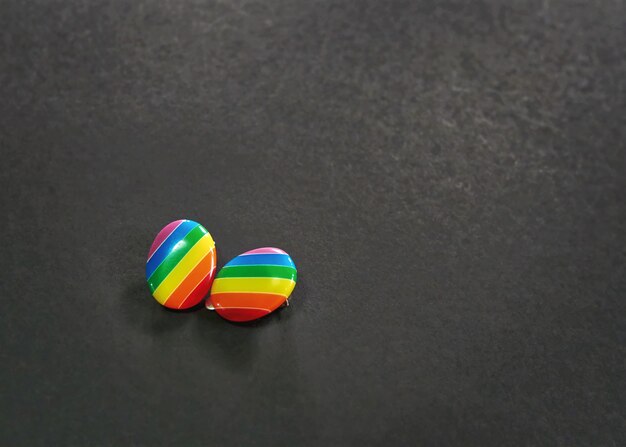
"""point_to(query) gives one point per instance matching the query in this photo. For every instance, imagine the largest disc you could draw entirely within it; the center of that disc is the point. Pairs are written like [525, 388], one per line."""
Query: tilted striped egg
[253, 284]
[181, 264]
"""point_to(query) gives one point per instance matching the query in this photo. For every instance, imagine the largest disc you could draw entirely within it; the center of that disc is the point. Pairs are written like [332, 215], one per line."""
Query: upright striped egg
[253, 284]
[181, 264]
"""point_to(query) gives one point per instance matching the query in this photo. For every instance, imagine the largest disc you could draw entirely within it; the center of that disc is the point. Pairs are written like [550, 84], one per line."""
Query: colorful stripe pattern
[253, 284]
[181, 264]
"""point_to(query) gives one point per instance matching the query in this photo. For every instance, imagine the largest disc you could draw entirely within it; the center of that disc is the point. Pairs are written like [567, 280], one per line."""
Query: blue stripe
[168, 245]
[276, 259]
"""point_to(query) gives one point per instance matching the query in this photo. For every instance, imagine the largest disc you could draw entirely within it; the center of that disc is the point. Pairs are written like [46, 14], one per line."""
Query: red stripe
[245, 306]
[239, 315]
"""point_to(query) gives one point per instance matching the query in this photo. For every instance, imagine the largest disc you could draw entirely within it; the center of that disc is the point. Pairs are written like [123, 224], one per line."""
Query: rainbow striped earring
[253, 284]
[181, 264]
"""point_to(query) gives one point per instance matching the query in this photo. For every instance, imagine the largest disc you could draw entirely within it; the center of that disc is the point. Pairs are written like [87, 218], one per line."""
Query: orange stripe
[205, 267]
[266, 301]
[198, 293]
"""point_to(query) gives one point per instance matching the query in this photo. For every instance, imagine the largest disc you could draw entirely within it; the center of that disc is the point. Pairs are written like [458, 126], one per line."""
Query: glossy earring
[181, 264]
[253, 284]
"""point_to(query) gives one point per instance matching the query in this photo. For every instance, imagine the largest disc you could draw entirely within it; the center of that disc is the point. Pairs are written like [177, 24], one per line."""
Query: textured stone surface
[448, 175]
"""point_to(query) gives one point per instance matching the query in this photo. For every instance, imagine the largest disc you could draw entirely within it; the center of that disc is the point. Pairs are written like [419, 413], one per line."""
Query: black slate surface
[449, 177]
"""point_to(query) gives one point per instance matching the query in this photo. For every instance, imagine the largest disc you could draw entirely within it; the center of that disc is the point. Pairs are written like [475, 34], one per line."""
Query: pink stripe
[163, 234]
[266, 251]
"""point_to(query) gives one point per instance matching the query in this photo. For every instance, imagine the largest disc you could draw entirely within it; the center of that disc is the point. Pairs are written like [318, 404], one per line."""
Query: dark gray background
[447, 175]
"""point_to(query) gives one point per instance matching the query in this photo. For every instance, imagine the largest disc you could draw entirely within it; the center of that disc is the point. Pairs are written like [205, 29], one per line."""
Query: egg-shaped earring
[181, 264]
[253, 284]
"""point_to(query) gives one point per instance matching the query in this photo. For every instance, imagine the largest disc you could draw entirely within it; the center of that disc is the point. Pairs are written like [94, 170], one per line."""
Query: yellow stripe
[204, 245]
[279, 286]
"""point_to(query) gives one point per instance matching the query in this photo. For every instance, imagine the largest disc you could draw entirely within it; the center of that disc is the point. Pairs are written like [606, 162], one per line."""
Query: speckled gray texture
[449, 177]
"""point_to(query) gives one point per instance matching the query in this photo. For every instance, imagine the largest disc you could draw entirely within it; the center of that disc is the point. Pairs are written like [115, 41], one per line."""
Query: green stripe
[175, 256]
[259, 271]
